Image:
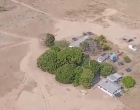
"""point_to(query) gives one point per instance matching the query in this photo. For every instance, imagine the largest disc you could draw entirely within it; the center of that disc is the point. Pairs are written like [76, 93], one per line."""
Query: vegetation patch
[128, 81]
[127, 59]
[106, 69]
[101, 41]
[69, 65]
[62, 44]
[49, 41]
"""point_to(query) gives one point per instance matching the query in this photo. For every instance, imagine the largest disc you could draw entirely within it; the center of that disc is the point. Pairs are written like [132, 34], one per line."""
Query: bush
[127, 59]
[49, 41]
[106, 69]
[128, 81]
[65, 74]
[106, 48]
[101, 39]
[87, 78]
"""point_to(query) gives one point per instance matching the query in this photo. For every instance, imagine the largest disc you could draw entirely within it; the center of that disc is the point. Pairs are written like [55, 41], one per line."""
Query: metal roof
[110, 86]
[127, 37]
[114, 77]
[77, 43]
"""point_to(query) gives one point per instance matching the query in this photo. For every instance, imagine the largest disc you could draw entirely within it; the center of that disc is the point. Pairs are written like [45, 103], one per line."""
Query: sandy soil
[23, 86]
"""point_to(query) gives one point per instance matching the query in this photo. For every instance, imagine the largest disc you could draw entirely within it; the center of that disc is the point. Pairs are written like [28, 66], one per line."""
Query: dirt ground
[24, 87]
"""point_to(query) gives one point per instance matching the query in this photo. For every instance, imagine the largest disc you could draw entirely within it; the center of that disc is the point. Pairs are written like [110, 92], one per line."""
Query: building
[103, 57]
[114, 77]
[78, 41]
[109, 87]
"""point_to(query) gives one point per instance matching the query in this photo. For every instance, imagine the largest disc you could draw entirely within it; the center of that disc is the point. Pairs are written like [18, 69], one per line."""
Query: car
[133, 47]
[103, 57]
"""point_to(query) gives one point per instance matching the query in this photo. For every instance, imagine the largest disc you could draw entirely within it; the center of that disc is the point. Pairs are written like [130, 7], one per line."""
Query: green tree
[92, 65]
[87, 78]
[106, 69]
[48, 61]
[78, 71]
[65, 74]
[62, 44]
[71, 56]
[128, 81]
[49, 41]
[55, 48]
[84, 46]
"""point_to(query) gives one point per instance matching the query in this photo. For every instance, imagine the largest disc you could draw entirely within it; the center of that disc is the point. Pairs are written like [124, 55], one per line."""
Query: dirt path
[37, 10]
[28, 65]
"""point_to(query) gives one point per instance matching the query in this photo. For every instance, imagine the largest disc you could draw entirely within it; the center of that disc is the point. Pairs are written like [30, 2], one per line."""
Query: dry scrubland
[24, 87]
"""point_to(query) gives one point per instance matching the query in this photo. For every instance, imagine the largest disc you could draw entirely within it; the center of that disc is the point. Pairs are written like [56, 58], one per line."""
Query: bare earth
[24, 87]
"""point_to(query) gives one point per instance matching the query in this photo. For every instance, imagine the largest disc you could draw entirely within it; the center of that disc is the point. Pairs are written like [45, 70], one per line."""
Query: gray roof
[77, 43]
[127, 37]
[114, 77]
[110, 86]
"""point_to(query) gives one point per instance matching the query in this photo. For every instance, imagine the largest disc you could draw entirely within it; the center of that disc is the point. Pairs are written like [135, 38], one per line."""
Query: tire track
[14, 45]
[34, 9]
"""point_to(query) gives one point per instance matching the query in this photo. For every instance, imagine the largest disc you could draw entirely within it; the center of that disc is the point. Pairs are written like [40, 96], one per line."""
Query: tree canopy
[128, 81]
[71, 56]
[65, 74]
[78, 71]
[49, 41]
[92, 65]
[87, 78]
[106, 69]
[48, 61]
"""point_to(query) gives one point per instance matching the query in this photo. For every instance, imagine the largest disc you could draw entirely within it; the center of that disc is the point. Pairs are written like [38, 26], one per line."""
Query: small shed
[114, 77]
[127, 38]
[113, 57]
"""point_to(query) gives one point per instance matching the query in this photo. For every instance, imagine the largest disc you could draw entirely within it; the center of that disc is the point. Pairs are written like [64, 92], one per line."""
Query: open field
[24, 87]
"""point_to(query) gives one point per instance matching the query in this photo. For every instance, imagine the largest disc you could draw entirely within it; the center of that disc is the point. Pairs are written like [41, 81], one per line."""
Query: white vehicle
[133, 47]
[103, 57]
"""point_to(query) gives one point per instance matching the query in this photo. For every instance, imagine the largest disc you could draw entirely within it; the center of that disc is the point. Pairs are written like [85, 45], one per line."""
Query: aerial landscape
[69, 54]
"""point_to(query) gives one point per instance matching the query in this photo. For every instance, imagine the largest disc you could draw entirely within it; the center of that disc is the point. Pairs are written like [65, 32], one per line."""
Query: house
[113, 57]
[78, 41]
[114, 77]
[103, 57]
[109, 87]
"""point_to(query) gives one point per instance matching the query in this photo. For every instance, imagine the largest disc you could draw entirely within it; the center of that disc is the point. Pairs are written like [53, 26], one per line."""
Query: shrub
[49, 41]
[106, 69]
[65, 74]
[128, 81]
[106, 48]
[101, 39]
[62, 44]
[127, 59]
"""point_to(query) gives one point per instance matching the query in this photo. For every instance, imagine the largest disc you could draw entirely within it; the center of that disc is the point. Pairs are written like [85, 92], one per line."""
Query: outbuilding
[114, 77]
